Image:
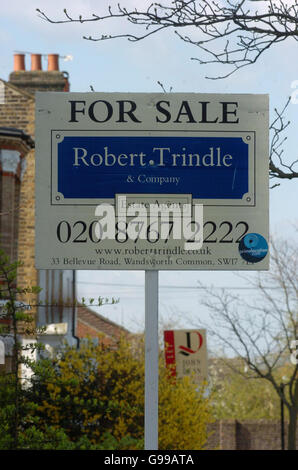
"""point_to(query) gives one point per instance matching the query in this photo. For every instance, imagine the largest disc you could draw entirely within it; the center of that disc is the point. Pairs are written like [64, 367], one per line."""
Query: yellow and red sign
[186, 354]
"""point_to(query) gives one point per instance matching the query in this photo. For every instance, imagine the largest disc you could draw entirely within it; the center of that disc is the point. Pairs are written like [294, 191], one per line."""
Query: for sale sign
[151, 181]
[186, 354]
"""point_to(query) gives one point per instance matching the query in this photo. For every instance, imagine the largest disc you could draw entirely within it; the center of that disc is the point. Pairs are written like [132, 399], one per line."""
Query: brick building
[17, 202]
[17, 190]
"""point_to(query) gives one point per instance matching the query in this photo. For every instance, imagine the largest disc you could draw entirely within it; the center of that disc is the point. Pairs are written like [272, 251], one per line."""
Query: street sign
[171, 152]
[186, 354]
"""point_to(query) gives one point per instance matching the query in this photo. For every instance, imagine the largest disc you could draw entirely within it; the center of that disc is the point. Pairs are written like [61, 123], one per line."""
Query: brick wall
[246, 435]
[30, 81]
[17, 197]
[18, 111]
[27, 274]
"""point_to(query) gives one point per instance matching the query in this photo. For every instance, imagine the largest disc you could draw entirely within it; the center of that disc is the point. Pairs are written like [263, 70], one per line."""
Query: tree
[97, 393]
[236, 397]
[247, 32]
[233, 34]
[17, 323]
[20, 425]
[261, 331]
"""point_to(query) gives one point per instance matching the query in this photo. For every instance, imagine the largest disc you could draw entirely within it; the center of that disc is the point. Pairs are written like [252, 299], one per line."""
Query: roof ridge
[84, 322]
[15, 88]
[101, 317]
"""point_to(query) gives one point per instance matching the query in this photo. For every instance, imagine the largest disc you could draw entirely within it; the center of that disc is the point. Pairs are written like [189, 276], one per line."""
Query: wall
[246, 435]
[17, 113]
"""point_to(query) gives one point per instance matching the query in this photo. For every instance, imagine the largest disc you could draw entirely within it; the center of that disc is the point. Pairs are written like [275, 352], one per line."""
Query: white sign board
[186, 354]
[106, 162]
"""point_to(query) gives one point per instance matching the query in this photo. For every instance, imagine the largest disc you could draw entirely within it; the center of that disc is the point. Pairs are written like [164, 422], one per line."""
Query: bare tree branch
[259, 332]
[239, 33]
[232, 33]
[277, 167]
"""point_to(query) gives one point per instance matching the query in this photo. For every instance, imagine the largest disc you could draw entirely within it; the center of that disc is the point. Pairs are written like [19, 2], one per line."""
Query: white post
[2, 352]
[151, 360]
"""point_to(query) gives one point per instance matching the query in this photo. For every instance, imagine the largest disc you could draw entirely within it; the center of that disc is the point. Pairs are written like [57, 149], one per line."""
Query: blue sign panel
[100, 167]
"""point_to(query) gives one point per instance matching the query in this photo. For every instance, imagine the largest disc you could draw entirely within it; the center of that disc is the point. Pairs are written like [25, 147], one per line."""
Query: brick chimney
[37, 79]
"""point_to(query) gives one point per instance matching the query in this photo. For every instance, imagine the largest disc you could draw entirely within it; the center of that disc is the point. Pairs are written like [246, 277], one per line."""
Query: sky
[122, 66]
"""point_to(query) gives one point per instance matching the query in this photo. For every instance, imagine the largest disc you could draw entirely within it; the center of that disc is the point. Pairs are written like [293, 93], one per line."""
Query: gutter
[74, 309]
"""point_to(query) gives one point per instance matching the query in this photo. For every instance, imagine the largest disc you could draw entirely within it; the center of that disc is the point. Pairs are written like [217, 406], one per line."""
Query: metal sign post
[151, 360]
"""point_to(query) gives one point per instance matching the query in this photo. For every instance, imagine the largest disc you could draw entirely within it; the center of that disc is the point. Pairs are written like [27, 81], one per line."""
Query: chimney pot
[19, 62]
[35, 62]
[53, 62]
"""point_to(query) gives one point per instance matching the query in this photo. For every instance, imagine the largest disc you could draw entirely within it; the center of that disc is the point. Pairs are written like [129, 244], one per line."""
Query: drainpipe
[282, 418]
[74, 316]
